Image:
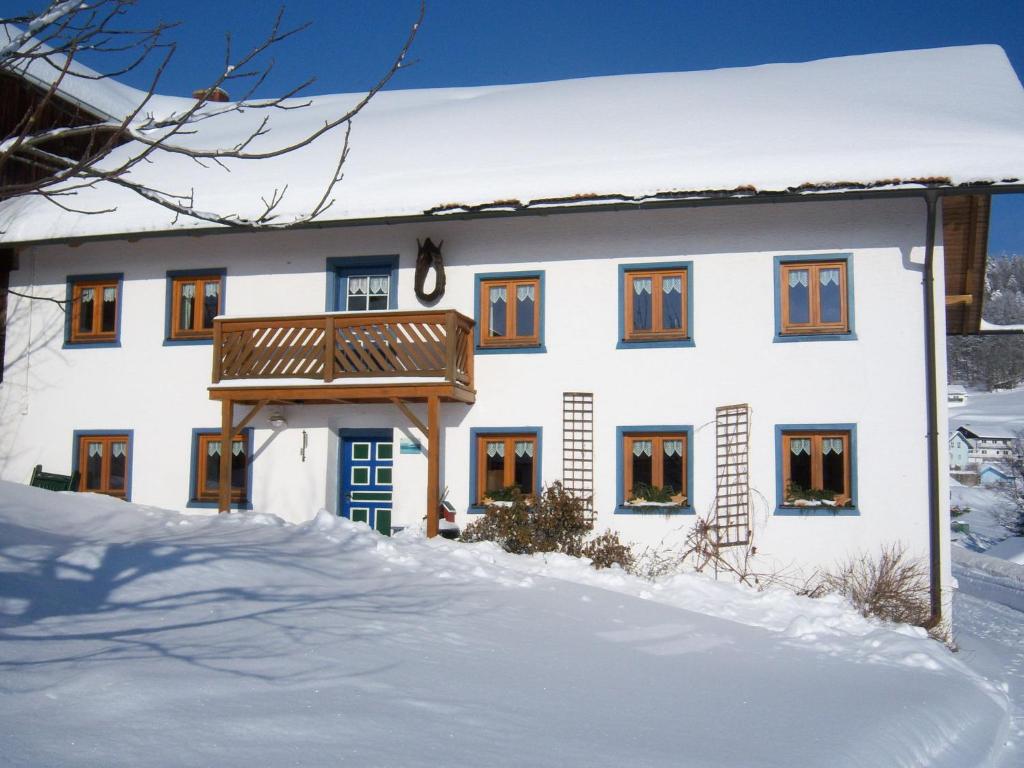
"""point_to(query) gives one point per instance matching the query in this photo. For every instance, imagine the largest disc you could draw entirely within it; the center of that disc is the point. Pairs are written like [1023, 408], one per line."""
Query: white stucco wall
[876, 381]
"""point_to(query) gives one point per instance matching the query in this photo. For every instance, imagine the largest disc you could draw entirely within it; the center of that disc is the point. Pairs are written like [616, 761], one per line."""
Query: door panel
[367, 479]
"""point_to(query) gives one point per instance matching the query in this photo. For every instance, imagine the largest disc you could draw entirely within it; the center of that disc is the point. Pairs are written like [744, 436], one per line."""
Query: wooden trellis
[578, 445]
[732, 494]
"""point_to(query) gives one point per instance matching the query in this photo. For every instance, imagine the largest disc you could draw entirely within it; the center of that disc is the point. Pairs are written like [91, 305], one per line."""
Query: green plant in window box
[504, 496]
[645, 495]
[798, 496]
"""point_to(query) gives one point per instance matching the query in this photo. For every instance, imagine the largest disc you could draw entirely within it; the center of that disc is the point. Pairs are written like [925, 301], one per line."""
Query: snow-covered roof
[987, 432]
[80, 85]
[948, 116]
[956, 389]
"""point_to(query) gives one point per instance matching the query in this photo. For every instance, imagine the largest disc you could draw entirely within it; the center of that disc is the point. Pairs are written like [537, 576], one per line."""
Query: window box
[813, 298]
[655, 305]
[816, 469]
[103, 459]
[93, 317]
[654, 470]
[509, 312]
[503, 459]
[194, 299]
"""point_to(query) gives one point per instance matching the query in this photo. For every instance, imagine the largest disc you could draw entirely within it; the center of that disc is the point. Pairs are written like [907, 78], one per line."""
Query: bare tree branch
[54, 150]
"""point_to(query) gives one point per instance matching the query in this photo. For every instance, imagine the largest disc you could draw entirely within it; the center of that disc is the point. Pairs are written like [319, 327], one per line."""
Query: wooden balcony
[364, 356]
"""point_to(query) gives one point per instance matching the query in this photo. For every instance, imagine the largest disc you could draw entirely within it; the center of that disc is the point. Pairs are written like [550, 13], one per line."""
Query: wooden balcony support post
[329, 342]
[433, 464]
[224, 479]
[451, 331]
[217, 351]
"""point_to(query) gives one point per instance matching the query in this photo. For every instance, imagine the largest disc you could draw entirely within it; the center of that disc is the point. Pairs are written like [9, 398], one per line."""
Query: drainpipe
[932, 386]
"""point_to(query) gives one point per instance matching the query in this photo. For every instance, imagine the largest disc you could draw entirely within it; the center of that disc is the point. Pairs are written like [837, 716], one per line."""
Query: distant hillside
[994, 361]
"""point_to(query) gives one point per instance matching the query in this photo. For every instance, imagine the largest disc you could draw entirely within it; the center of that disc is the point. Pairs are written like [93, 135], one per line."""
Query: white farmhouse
[987, 443]
[728, 290]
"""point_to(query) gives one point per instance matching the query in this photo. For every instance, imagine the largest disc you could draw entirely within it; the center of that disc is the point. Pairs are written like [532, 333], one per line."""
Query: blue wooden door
[367, 479]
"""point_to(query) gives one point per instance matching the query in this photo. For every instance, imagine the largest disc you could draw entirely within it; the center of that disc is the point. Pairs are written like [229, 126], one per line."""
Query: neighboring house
[959, 450]
[614, 284]
[992, 475]
[956, 394]
[987, 444]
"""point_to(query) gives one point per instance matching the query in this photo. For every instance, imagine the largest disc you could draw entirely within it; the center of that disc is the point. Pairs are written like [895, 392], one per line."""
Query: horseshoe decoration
[429, 257]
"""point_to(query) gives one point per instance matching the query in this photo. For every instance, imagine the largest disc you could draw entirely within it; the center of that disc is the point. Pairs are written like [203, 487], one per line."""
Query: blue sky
[466, 42]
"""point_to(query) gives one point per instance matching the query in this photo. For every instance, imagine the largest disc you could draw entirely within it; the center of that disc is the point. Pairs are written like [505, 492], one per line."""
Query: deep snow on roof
[952, 116]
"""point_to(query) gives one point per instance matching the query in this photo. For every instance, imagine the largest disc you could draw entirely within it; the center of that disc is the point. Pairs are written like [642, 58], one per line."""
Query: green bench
[51, 481]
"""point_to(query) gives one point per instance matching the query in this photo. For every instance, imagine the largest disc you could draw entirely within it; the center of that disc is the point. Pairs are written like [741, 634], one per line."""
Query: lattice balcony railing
[338, 346]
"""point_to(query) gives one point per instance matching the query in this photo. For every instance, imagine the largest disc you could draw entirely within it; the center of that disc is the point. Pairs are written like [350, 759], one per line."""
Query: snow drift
[130, 635]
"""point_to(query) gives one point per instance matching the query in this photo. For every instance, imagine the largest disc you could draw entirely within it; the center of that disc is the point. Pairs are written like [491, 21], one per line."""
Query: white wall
[876, 381]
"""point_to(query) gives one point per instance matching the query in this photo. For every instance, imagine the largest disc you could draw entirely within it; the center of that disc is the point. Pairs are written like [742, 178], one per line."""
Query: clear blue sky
[480, 42]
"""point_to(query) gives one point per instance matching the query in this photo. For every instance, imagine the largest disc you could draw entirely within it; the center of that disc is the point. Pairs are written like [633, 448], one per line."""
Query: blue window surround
[79, 433]
[193, 470]
[171, 275]
[538, 465]
[620, 468]
[340, 268]
[780, 509]
[71, 280]
[540, 348]
[789, 337]
[624, 269]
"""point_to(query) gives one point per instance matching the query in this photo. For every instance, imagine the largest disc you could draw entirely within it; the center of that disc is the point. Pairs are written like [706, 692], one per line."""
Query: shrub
[556, 521]
[607, 550]
[889, 587]
[657, 494]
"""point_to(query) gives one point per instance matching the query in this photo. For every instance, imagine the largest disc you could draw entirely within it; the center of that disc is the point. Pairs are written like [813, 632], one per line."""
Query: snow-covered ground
[135, 636]
[1004, 409]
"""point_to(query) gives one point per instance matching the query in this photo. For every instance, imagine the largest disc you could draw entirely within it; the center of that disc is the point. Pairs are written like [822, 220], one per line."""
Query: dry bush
[556, 521]
[607, 550]
[890, 587]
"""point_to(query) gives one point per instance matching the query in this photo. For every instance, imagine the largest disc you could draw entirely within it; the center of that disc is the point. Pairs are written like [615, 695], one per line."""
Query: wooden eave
[965, 220]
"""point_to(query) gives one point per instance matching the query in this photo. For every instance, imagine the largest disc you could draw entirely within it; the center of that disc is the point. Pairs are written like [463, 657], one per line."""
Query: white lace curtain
[673, 447]
[211, 290]
[213, 447]
[829, 276]
[524, 448]
[832, 445]
[117, 450]
[498, 293]
[374, 285]
[642, 448]
[672, 285]
[642, 285]
[95, 449]
[496, 449]
[524, 292]
[88, 294]
[800, 445]
[798, 277]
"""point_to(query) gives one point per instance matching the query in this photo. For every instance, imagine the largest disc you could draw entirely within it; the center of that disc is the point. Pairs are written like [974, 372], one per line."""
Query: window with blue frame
[94, 312]
[655, 305]
[362, 284]
[206, 461]
[817, 468]
[653, 468]
[194, 299]
[510, 311]
[813, 297]
[103, 460]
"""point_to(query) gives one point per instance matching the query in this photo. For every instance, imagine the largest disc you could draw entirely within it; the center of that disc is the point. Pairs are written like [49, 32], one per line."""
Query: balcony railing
[332, 347]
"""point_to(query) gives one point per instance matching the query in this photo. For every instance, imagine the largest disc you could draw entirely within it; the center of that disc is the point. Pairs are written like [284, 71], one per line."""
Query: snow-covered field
[135, 636]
